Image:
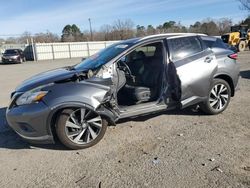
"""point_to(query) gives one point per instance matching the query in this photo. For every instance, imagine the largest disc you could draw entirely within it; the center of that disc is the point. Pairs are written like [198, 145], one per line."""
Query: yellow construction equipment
[238, 37]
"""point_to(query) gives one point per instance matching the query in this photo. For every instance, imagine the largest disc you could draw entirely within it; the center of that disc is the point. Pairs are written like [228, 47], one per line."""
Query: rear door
[195, 66]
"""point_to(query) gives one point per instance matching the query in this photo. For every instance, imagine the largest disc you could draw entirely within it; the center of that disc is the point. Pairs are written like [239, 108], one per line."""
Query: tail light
[233, 56]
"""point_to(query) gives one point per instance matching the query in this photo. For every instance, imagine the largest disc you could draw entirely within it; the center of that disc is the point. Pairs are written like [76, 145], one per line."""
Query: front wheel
[80, 128]
[218, 97]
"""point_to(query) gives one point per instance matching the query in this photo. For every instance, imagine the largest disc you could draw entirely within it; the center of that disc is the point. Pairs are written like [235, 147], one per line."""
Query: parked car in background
[127, 79]
[13, 56]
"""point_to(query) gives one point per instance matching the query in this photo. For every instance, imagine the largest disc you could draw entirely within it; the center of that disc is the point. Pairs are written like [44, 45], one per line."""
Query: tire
[241, 46]
[218, 97]
[76, 132]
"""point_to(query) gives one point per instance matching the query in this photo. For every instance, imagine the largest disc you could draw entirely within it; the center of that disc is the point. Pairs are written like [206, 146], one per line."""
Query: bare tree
[11, 40]
[209, 28]
[2, 41]
[106, 32]
[123, 29]
[245, 4]
[46, 37]
[25, 38]
[224, 25]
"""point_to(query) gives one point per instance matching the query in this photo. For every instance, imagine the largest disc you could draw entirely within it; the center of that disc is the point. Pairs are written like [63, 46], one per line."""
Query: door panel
[196, 73]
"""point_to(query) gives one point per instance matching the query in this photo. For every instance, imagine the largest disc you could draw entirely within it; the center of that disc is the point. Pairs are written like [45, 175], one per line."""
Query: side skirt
[141, 109]
[192, 101]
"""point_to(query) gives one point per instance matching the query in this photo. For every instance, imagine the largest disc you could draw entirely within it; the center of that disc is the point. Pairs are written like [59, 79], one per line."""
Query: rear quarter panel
[226, 65]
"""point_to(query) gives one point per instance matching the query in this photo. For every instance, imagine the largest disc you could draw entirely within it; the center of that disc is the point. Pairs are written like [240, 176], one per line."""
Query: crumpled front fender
[82, 92]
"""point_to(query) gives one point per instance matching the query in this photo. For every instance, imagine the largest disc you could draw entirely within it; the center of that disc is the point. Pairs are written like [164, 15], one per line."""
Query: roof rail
[169, 34]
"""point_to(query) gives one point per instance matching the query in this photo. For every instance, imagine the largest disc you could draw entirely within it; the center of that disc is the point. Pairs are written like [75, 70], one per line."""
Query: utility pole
[90, 28]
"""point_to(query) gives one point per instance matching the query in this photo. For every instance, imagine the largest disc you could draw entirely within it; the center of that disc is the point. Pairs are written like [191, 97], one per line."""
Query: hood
[46, 78]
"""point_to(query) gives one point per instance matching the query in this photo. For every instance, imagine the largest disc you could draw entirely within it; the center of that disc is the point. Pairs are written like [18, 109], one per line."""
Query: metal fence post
[69, 51]
[88, 49]
[33, 50]
[52, 49]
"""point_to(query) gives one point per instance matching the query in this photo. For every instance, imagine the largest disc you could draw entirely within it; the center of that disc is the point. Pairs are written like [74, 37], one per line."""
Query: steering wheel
[126, 69]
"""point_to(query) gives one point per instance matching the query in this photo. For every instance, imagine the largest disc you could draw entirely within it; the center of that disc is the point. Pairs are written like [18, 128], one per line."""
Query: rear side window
[209, 43]
[183, 47]
[214, 42]
[220, 44]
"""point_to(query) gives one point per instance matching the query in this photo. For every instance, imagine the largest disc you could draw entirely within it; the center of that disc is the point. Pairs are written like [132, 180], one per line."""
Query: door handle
[208, 59]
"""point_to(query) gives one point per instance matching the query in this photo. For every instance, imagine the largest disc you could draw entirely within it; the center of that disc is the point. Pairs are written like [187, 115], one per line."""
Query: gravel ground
[172, 149]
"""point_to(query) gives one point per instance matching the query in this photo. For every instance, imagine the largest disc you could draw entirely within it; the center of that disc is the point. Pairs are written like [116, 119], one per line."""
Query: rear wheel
[218, 97]
[241, 46]
[80, 128]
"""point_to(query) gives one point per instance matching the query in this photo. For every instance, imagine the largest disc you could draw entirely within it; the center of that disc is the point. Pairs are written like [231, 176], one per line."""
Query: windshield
[11, 52]
[103, 56]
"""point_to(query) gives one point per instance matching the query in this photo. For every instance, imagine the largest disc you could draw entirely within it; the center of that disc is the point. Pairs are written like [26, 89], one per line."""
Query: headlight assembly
[32, 96]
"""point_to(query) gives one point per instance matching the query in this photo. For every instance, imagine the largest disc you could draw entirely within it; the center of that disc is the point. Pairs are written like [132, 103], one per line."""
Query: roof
[160, 36]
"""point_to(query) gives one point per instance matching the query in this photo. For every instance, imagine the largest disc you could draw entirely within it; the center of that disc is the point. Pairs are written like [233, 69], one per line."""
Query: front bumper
[30, 122]
[10, 60]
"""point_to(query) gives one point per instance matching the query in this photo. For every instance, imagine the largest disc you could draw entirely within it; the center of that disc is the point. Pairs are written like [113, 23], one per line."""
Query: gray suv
[130, 78]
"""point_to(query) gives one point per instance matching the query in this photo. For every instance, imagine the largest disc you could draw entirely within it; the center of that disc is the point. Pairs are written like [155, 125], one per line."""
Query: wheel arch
[229, 80]
[102, 110]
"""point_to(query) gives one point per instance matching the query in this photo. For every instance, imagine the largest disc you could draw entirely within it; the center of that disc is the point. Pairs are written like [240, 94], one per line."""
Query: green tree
[168, 25]
[224, 25]
[150, 30]
[75, 29]
[196, 28]
[140, 31]
[71, 33]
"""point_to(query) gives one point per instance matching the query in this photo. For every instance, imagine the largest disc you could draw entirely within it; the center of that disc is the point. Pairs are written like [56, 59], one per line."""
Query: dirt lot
[173, 149]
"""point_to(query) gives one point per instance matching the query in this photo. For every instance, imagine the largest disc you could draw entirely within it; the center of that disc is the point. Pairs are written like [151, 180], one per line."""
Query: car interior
[143, 69]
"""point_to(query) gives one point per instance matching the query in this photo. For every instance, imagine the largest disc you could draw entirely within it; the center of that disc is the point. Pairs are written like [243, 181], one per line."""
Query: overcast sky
[17, 16]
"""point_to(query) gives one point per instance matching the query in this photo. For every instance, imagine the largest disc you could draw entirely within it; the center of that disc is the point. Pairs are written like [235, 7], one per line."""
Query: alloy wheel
[219, 96]
[83, 126]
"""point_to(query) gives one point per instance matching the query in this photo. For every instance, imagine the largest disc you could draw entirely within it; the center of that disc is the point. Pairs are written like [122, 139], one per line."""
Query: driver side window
[138, 58]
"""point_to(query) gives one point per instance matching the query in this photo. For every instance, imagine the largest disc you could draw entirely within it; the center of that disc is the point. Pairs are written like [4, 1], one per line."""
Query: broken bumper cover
[30, 122]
